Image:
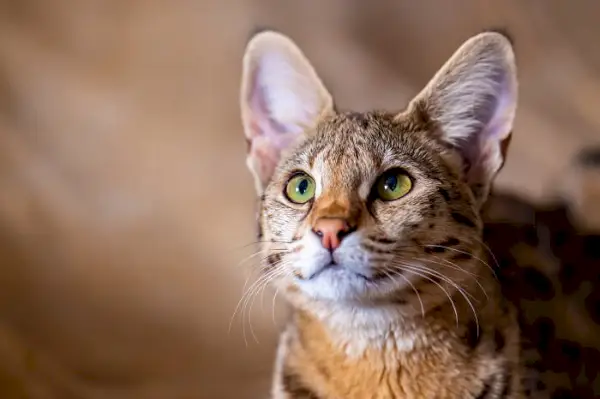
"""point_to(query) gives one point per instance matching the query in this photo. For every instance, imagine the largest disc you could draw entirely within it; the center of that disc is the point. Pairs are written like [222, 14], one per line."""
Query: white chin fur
[343, 282]
[335, 284]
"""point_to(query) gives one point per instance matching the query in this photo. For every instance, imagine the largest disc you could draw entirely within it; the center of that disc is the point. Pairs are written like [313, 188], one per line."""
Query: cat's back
[549, 266]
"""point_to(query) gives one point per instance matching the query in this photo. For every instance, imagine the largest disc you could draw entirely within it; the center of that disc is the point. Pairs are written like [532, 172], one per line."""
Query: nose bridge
[332, 205]
[331, 208]
[336, 202]
[333, 217]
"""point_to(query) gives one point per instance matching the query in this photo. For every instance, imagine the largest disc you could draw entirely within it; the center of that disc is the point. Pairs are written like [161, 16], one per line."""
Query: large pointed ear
[471, 104]
[281, 99]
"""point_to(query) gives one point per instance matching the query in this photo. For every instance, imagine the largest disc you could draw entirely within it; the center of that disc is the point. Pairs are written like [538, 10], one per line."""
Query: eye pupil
[302, 187]
[391, 183]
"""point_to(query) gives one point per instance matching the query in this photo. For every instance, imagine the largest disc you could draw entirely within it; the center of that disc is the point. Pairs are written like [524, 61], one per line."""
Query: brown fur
[412, 304]
[319, 362]
[548, 267]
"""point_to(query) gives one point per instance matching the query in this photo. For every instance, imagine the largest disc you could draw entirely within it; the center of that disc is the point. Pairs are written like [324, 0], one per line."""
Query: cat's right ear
[281, 98]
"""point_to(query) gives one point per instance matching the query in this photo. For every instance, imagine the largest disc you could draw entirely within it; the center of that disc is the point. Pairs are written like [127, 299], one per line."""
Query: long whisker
[260, 261]
[487, 248]
[453, 284]
[455, 266]
[440, 275]
[242, 302]
[258, 286]
[281, 273]
[253, 243]
[248, 297]
[418, 273]
[391, 276]
[465, 253]
[244, 294]
[273, 307]
[237, 306]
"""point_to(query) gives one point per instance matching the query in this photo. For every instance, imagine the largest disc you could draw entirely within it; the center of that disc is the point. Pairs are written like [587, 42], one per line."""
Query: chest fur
[444, 363]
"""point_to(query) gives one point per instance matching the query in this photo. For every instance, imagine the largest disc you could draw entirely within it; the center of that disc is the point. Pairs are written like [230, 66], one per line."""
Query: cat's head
[375, 207]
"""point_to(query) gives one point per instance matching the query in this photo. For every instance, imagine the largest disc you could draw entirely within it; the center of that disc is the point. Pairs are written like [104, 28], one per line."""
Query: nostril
[345, 231]
[331, 231]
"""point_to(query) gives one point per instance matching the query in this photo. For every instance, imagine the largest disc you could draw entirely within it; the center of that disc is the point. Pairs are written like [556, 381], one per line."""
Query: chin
[338, 285]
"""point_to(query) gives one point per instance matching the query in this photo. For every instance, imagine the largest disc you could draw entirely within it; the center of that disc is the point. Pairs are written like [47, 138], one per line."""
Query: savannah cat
[372, 227]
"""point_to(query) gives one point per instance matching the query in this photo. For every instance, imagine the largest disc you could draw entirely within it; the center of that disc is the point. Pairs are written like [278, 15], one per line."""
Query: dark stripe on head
[462, 219]
[293, 385]
[444, 193]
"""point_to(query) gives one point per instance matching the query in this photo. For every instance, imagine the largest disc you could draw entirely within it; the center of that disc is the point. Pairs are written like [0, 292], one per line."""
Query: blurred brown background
[124, 198]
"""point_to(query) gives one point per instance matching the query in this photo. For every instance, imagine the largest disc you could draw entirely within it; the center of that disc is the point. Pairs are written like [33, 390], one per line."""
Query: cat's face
[375, 207]
[409, 218]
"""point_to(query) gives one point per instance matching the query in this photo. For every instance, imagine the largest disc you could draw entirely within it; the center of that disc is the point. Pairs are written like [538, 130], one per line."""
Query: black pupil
[302, 187]
[391, 182]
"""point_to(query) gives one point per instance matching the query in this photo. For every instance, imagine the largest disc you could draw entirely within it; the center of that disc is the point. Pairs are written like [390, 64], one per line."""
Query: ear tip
[259, 30]
[269, 36]
[503, 32]
[498, 35]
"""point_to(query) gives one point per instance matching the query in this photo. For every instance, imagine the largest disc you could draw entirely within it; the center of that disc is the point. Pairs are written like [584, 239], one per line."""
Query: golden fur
[413, 311]
[409, 305]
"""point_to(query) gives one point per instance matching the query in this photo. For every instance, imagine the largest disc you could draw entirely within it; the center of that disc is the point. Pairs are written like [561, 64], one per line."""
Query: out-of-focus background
[125, 205]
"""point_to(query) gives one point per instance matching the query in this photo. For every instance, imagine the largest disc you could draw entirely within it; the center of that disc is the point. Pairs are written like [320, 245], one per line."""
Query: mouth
[336, 268]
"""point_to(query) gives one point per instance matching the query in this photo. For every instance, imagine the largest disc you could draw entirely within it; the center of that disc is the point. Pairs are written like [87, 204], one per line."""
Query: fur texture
[410, 304]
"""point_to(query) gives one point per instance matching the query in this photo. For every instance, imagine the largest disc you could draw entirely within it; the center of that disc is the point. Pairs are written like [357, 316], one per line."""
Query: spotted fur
[548, 267]
[413, 304]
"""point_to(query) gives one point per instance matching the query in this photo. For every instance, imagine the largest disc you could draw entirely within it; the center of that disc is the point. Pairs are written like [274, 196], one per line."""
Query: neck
[359, 333]
[357, 328]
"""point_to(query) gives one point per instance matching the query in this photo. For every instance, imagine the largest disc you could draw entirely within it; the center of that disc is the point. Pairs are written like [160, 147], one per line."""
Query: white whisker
[418, 273]
[412, 286]
[455, 266]
[453, 284]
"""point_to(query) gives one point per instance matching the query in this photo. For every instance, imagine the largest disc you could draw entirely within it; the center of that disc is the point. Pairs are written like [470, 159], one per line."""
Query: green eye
[393, 184]
[300, 189]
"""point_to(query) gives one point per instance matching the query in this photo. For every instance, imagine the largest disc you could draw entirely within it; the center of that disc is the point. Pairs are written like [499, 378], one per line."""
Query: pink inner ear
[274, 133]
[266, 137]
[265, 158]
[262, 122]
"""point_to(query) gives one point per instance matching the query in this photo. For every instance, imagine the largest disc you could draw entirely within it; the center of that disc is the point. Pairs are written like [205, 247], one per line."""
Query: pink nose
[331, 231]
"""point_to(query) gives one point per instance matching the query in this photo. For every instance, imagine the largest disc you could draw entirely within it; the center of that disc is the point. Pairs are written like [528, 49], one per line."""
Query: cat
[371, 226]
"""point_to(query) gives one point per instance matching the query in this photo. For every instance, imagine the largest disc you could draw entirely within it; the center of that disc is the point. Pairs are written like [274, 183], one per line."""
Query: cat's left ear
[281, 99]
[471, 105]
